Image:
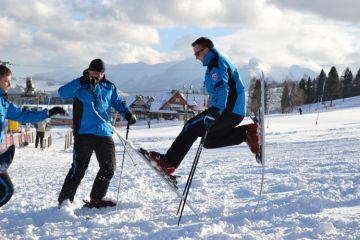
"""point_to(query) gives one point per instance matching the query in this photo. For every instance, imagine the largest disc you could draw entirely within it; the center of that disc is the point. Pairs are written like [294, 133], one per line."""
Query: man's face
[5, 83]
[200, 52]
[98, 75]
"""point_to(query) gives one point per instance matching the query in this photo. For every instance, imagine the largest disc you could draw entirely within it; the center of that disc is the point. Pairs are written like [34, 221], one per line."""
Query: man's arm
[25, 116]
[221, 87]
[69, 89]
[118, 103]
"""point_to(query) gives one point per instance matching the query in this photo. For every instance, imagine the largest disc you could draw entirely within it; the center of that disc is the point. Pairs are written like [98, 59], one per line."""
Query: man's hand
[211, 116]
[209, 121]
[130, 117]
[87, 80]
[56, 110]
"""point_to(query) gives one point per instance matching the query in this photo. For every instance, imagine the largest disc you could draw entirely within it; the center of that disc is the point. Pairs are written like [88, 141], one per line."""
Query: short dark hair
[4, 71]
[203, 42]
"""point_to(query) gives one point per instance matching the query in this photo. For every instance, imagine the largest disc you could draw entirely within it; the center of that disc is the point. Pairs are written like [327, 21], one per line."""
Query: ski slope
[311, 191]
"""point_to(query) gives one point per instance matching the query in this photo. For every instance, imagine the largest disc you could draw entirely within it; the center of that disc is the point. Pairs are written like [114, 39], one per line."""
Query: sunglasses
[197, 53]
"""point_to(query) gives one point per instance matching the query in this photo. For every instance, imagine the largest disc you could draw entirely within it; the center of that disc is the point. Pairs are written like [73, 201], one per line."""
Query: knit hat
[97, 65]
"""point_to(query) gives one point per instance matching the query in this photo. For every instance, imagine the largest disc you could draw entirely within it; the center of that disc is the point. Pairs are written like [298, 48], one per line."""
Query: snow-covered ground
[311, 191]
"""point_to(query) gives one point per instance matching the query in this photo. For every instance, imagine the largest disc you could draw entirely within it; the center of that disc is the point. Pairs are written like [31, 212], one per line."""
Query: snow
[311, 186]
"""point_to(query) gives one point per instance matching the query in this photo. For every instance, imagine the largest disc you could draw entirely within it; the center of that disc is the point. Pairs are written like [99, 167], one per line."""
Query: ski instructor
[10, 111]
[92, 94]
[227, 108]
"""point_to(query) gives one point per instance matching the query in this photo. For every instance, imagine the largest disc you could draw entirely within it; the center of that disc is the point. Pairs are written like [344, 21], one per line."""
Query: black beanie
[97, 65]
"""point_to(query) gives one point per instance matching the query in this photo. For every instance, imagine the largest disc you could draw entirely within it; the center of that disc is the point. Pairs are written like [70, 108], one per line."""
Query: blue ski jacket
[223, 84]
[88, 101]
[10, 111]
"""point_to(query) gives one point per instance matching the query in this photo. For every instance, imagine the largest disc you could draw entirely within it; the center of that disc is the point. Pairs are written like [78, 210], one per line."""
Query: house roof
[197, 101]
[159, 101]
[129, 99]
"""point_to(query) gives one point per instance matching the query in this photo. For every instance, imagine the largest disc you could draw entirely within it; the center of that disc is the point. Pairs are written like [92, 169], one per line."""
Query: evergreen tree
[285, 98]
[332, 87]
[302, 85]
[315, 90]
[297, 96]
[254, 96]
[356, 84]
[346, 83]
[320, 81]
[309, 91]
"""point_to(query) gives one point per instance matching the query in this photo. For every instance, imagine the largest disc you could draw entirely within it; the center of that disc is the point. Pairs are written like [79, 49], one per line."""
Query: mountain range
[135, 78]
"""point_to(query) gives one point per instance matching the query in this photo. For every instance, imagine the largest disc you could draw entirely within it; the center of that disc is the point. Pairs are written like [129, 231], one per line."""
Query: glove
[211, 116]
[56, 110]
[131, 118]
[86, 79]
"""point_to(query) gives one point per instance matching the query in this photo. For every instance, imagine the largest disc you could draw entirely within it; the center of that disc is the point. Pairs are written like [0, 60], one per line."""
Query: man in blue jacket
[10, 111]
[93, 95]
[227, 108]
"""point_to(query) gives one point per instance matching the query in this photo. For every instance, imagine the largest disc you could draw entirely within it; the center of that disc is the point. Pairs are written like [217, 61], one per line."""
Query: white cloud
[300, 39]
[11, 34]
[205, 13]
[278, 32]
[344, 10]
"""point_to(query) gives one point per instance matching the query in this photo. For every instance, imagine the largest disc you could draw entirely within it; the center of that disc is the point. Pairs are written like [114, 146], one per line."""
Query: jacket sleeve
[118, 103]
[69, 89]
[25, 116]
[221, 86]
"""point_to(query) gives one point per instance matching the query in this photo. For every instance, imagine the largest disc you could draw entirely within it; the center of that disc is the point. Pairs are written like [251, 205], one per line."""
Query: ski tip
[143, 151]
[254, 118]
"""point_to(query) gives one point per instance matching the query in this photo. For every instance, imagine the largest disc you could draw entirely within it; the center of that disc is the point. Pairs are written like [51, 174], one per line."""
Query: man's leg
[37, 139]
[42, 134]
[225, 132]
[193, 129]
[105, 154]
[6, 188]
[83, 148]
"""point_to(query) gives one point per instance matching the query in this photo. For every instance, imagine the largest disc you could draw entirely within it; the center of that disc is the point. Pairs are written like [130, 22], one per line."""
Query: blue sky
[169, 36]
[38, 35]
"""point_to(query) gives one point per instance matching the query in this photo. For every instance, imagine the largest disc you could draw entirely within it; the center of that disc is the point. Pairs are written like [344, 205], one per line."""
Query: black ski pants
[6, 188]
[225, 132]
[84, 145]
[39, 137]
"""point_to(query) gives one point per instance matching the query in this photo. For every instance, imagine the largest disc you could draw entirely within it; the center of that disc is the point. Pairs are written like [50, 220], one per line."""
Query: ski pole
[130, 145]
[190, 178]
[122, 165]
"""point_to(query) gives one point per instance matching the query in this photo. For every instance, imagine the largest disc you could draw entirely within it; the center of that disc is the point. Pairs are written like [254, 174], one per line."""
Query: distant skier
[227, 108]
[300, 111]
[10, 111]
[40, 133]
[92, 90]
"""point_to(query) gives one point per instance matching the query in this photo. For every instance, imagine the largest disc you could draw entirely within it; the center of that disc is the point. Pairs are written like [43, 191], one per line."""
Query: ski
[172, 179]
[257, 120]
[129, 145]
[262, 122]
[260, 157]
[6, 158]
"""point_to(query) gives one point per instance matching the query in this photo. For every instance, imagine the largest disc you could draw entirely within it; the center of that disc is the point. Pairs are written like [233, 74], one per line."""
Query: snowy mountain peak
[257, 64]
[141, 77]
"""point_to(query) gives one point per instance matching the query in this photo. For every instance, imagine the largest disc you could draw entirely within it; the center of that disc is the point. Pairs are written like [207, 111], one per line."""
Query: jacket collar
[209, 56]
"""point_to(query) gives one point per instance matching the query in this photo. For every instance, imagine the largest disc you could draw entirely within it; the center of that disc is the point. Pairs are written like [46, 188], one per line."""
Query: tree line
[324, 87]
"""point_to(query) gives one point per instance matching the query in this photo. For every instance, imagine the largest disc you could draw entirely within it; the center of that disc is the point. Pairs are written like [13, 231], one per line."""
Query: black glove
[130, 117]
[211, 116]
[86, 79]
[56, 110]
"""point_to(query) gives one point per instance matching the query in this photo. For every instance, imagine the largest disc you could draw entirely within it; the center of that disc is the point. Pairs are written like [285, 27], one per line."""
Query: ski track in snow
[311, 187]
